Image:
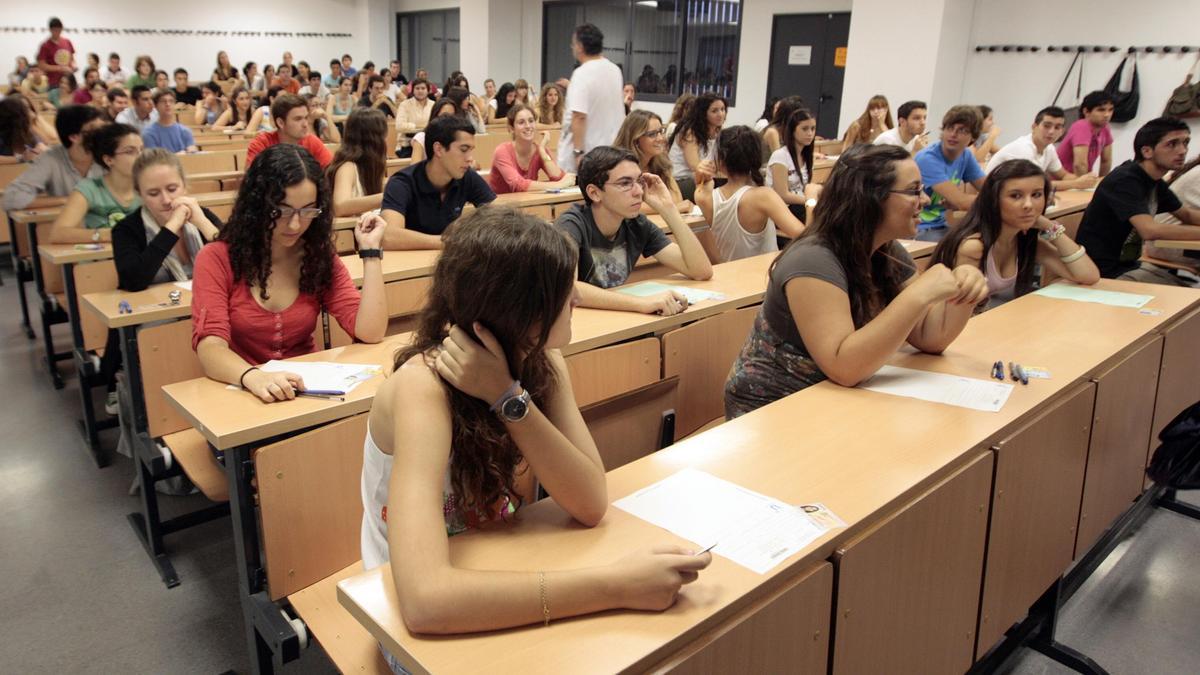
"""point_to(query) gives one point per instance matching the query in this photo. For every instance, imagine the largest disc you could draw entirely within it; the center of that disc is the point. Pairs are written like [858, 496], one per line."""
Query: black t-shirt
[409, 193]
[1127, 191]
[187, 97]
[365, 102]
[608, 262]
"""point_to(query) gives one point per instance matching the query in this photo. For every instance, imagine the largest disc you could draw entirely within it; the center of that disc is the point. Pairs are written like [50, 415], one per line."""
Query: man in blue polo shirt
[945, 166]
[423, 199]
[167, 132]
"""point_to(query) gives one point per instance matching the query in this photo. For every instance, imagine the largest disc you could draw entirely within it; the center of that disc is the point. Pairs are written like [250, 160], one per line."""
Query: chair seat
[192, 453]
[347, 643]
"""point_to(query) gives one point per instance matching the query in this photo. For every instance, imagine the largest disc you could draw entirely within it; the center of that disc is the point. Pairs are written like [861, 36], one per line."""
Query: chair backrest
[310, 504]
[634, 424]
[165, 355]
[208, 162]
[485, 146]
[94, 277]
[52, 278]
[700, 354]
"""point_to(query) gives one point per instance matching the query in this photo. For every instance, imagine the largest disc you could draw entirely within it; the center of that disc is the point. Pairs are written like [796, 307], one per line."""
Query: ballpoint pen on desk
[1012, 370]
[998, 370]
[326, 395]
[707, 549]
[1022, 375]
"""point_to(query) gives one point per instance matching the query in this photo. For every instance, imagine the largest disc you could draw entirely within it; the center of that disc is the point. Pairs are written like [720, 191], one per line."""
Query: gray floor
[80, 595]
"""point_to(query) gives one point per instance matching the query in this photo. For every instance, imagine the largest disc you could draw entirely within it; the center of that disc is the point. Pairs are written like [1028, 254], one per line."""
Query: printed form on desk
[753, 530]
[326, 375]
[956, 390]
[648, 288]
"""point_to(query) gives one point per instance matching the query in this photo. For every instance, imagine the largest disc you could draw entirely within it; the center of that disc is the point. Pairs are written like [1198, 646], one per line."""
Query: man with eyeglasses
[290, 114]
[612, 233]
[421, 201]
[945, 166]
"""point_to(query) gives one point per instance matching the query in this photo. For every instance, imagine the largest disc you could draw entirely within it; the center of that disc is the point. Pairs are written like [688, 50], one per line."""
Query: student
[358, 167]
[489, 90]
[517, 164]
[96, 204]
[43, 131]
[693, 145]
[1185, 183]
[499, 106]
[471, 107]
[790, 168]
[236, 115]
[211, 105]
[340, 101]
[63, 93]
[322, 128]
[773, 135]
[167, 132]
[550, 105]
[744, 213]
[255, 83]
[35, 82]
[523, 94]
[98, 96]
[1130, 197]
[314, 88]
[444, 107]
[290, 116]
[83, 95]
[184, 92]
[114, 75]
[989, 136]
[844, 297]
[334, 79]
[421, 200]
[1005, 235]
[142, 113]
[437, 461]
[268, 76]
[945, 166]
[398, 77]
[261, 119]
[422, 74]
[17, 76]
[17, 139]
[143, 73]
[612, 233]
[594, 110]
[1090, 138]
[414, 111]
[285, 81]
[118, 101]
[348, 70]
[909, 132]
[278, 238]
[1038, 147]
[302, 72]
[225, 75]
[56, 56]
[628, 92]
[376, 98]
[679, 111]
[392, 90]
[875, 120]
[643, 134]
[161, 82]
[56, 172]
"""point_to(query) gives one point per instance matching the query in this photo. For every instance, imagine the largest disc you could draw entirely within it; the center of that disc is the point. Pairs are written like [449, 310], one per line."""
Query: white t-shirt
[892, 137]
[796, 181]
[1023, 148]
[596, 92]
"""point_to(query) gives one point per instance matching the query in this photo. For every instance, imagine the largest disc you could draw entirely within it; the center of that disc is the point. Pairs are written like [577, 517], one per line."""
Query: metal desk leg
[89, 377]
[23, 275]
[51, 313]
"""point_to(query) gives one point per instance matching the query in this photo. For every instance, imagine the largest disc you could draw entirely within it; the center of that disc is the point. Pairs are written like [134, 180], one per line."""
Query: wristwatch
[513, 407]
[811, 202]
[365, 253]
[577, 152]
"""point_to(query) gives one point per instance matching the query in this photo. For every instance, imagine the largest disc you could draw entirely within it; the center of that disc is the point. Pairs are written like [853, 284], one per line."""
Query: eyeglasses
[287, 213]
[128, 151]
[626, 184]
[915, 192]
[657, 133]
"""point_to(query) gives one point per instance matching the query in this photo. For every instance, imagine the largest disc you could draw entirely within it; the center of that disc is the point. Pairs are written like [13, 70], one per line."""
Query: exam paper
[751, 529]
[326, 375]
[185, 285]
[648, 288]
[1084, 294]
[964, 392]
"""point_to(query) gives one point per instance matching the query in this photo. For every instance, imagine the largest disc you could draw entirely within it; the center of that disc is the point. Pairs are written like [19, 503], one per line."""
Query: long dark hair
[502, 104]
[983, 220]
[522, 300]
[237, 115]
[845, 221]
[256, 210]
[788, 140]
[365, 146]
[695, 121]
[787, 106]
[740, 151]
[15, 127]
[864, 120]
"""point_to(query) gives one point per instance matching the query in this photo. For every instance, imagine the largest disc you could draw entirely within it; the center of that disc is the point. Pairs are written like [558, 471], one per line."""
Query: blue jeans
[932, 233]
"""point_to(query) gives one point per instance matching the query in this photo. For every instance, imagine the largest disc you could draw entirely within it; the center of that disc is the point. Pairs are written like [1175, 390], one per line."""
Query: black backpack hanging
[1176, 463]
[1125, 103]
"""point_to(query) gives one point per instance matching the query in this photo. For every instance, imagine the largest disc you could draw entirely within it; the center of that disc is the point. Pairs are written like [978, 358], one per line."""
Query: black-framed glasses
[911, 192]
[626, 184]
[287, 212]
[657, 133]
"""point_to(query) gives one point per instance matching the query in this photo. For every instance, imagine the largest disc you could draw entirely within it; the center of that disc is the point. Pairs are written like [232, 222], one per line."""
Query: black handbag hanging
[1176, 462]
[1072, 112]
[1125, 103]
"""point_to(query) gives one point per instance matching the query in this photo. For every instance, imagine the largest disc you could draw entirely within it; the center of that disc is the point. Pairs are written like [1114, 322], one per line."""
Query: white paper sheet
[185, 285]
[751, 529]
[964, 392]
[326, 375]
[1096, 295]
[648, 288]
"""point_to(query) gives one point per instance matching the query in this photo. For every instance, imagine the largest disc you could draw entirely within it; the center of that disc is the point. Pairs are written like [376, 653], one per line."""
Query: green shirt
[103, 208]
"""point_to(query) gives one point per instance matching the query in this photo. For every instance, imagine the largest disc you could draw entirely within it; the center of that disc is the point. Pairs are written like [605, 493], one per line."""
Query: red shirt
[59, 54]
[228, 310]
[311, 143]
[292, 86]
[508, 176]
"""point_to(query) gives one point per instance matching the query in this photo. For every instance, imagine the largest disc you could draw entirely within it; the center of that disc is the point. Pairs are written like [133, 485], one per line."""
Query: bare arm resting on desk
[68, 227]
[1150, 229]
[400, 238]
[435, 596]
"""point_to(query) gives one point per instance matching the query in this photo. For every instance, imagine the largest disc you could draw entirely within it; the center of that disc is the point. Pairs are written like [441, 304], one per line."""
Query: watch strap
[508, 393]
[370, 253]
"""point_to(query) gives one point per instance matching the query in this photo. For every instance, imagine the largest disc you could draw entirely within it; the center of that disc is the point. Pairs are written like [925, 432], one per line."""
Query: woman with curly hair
[550, 105]
[693, 144]
[259, 289]
[478, 412]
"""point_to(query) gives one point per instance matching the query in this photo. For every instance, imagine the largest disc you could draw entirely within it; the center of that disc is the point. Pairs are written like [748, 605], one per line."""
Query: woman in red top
[516, 163]
[260, 287]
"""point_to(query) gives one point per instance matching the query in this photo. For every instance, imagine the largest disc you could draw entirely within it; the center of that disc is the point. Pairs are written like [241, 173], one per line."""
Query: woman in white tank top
[743, 213]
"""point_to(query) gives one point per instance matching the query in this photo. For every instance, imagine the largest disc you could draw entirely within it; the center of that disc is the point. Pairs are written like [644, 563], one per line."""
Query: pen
[710, 547]
[1022, 375]
[326, 397]
[325, 392]
[1012, 370]
[998, 370]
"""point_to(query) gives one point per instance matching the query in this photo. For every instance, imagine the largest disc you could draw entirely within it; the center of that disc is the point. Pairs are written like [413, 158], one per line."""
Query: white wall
[1017, 85]
[370, 23]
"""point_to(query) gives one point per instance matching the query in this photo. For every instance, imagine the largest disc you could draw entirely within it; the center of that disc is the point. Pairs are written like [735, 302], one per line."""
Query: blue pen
[998, 370]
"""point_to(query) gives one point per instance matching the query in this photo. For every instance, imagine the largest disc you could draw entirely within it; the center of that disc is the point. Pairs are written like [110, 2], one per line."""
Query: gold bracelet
[545, 604]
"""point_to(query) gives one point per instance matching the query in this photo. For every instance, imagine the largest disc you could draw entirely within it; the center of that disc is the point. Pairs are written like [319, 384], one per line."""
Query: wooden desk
[1181, 244]
[1069, 202]
[65, 254]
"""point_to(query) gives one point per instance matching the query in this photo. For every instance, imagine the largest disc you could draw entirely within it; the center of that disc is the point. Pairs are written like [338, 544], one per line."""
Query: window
[664, 47]
[428, 40]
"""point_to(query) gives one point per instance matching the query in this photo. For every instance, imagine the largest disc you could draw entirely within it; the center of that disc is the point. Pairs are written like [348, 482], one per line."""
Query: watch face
[515, 408]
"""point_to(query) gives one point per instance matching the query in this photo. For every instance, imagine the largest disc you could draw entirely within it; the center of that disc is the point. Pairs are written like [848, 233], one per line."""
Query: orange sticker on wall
[839, 57]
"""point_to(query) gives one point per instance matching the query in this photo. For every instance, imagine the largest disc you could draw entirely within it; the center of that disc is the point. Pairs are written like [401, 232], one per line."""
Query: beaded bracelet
[1056, 230]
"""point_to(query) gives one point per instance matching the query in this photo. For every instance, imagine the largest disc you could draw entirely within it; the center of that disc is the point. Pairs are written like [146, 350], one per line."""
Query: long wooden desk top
[48, 214]
[152, 304]
[1182, 244]
[61, 254]
[1070, 201]
[858, 452]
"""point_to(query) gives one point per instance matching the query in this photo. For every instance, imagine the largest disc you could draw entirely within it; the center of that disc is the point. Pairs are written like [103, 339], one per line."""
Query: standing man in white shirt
[909, 132]
[1038, 147]
[595, 108]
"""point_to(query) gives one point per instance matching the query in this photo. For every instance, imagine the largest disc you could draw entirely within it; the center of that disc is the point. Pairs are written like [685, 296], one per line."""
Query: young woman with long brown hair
[875, 120]
[358, 167]
[643, 134]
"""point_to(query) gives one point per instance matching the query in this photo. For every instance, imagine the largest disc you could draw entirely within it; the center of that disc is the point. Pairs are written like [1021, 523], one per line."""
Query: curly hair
[255, 216]
[694, 123]
[547, 114]
[16, 129]
[519, 308]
